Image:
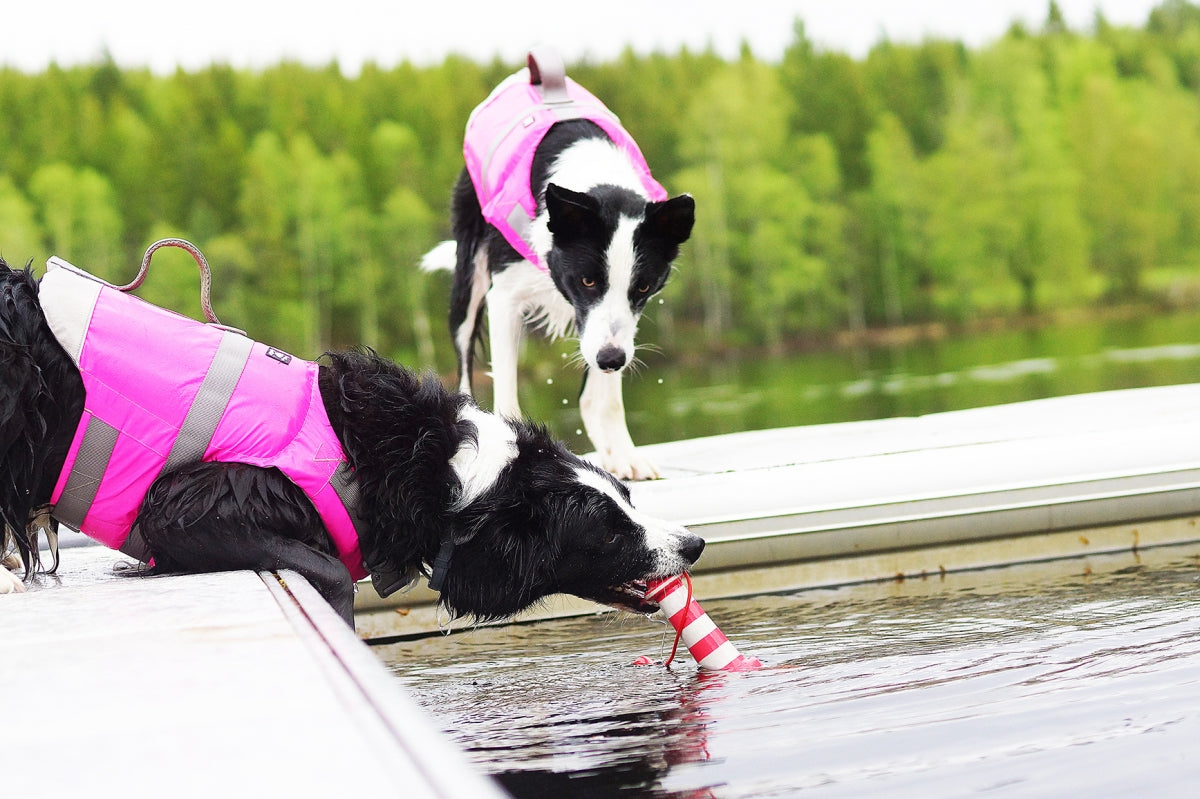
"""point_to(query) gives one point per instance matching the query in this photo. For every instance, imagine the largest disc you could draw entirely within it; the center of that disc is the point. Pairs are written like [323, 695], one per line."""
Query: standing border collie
[557, 222]
[409, 478]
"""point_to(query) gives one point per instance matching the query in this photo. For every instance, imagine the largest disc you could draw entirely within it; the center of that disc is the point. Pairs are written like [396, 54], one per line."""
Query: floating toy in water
[708, 645]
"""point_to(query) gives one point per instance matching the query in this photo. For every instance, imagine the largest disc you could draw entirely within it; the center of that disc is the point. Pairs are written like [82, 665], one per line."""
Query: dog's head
[533, 519]
[611, 252]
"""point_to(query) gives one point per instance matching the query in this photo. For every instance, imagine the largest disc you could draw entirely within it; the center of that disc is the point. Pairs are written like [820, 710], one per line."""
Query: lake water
[1074, 678]
[666, 401]
[1060, 679]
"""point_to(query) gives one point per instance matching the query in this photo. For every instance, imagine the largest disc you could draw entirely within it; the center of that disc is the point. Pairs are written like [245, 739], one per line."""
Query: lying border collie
[557, 222]
[409, 475]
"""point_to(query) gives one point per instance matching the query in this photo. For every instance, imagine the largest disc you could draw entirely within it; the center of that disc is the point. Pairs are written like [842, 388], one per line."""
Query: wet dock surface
[231, 684]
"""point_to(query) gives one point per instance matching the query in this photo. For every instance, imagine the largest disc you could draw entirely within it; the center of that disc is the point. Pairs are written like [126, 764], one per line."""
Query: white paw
[631, 465]
[9, 582]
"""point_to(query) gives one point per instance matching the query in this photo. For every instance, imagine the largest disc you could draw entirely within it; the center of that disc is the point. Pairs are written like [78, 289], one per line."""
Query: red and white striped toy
[708, 645]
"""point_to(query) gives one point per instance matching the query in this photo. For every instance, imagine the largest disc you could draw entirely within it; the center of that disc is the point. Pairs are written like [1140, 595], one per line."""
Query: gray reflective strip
[520, 222]
[91, 461]
[209, 404]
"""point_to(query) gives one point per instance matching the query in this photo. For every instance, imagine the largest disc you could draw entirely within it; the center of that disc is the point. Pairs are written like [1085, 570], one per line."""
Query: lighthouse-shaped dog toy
[708, 645]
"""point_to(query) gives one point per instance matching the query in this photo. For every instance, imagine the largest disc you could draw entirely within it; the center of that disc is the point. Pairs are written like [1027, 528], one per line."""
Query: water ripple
[1053, 682]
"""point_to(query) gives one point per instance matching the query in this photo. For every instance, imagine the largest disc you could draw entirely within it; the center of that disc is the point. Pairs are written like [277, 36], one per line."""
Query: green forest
[1053, 170]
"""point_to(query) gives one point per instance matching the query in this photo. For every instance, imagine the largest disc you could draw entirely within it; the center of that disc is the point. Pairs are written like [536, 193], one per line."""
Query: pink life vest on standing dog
[505, 129]
[163, 390]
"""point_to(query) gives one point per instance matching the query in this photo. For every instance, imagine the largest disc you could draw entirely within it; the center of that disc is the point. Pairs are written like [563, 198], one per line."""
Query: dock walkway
[218, 685]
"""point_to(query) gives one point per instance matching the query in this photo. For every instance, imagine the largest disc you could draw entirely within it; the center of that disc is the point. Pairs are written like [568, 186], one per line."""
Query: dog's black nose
[691, 547]
[610, 358]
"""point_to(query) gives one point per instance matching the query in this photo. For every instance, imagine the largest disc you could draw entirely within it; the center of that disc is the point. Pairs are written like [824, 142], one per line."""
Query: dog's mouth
[628, 596]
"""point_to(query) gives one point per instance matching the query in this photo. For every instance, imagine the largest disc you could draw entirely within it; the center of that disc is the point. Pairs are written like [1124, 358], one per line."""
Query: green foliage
[925, 182]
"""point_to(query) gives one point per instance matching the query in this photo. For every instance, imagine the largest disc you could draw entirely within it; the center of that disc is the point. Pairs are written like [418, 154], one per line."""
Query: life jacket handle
[205, 273]
[546, 69]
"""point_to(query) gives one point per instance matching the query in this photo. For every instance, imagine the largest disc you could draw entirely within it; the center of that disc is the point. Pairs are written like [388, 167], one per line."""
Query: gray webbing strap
[91, 462]
[135, 546]
[210, 402]
[547, 69]
[345, 485]
[385, 579]
[203, 416]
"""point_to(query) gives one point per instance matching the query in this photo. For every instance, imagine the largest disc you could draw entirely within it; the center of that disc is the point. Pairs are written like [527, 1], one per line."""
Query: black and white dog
[557, 223]
[506, 513]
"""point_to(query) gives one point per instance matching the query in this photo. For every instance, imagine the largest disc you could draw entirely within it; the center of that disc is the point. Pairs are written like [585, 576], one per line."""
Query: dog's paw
[9, 582]
[629, 466]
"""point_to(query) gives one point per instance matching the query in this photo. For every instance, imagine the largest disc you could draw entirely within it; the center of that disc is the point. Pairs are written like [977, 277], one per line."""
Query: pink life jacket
[163, 390]
[505, 129]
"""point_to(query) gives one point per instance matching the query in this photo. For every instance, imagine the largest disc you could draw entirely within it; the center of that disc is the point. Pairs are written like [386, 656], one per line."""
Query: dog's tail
[442, 257]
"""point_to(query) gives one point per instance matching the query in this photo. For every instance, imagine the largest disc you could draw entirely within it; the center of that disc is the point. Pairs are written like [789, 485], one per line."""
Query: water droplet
[578, 432]
[660, 381]
[549, 381]
[660, 302]
[564, 400]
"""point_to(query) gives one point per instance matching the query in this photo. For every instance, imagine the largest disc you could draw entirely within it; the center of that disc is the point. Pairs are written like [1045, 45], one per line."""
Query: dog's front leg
[214, 517]
[505, 325]
[327, 574]
[603, 410]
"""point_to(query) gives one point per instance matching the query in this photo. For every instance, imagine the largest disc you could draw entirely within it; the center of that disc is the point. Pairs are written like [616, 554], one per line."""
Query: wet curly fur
[540, 524]
[41, 401]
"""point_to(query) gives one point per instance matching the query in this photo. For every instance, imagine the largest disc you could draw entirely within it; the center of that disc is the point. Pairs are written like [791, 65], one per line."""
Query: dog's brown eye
[611, 539]
[589, 283]
[644, 289]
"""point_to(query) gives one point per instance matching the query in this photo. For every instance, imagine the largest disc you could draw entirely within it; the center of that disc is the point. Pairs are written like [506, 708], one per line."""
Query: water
[668, 400]
[1070, 678]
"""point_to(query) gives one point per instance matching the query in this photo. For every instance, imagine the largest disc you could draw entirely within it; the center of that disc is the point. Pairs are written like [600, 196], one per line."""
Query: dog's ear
[573, 216]
[671, 219]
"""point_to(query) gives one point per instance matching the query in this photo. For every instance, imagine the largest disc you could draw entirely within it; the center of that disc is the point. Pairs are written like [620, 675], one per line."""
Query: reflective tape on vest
[163, 391]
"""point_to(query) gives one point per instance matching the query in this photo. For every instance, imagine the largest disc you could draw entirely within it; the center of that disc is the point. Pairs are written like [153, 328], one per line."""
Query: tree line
[1051, 169]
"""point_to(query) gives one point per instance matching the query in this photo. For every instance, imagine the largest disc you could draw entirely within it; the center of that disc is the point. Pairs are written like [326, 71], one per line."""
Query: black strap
[441, 564]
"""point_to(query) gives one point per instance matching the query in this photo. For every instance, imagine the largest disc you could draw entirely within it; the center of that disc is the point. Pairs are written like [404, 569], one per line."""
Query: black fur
[536, 530]
[41, 400]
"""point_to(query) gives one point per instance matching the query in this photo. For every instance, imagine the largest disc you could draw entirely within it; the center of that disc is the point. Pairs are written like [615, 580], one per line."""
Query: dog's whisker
[577, 360]
[648, 347]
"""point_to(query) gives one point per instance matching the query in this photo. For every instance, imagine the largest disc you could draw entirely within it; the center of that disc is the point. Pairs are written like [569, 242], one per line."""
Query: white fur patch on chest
[478, 464]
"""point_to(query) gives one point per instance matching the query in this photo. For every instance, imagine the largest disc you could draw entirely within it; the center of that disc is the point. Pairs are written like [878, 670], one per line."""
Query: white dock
[904, 498]
[221, 685]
